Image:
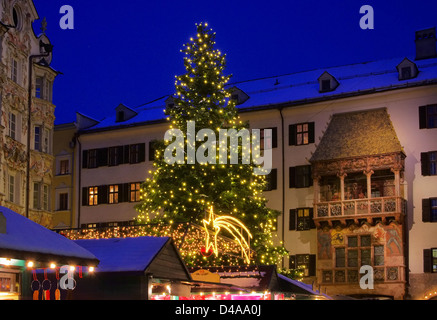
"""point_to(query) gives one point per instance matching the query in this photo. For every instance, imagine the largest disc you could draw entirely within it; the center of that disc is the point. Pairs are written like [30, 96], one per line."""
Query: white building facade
[354, 169]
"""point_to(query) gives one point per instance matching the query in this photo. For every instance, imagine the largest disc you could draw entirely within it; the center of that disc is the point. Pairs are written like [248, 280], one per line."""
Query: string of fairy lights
[183, 192]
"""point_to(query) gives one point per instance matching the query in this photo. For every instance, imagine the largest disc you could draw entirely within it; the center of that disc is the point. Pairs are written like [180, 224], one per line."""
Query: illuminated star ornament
[235, 227]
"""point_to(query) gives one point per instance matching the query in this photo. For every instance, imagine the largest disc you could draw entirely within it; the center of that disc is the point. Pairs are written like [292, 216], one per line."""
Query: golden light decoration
[234, 226]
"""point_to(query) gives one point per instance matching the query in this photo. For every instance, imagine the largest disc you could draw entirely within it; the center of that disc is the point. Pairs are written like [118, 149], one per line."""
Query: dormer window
[326, 85]
[407, 70]
[169, 103]
[120, 116]
[123, 113]
[238, 95]
[327, 82]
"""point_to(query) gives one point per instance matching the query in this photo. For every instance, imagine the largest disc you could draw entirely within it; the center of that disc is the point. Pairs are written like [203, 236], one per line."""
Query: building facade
[354, 169]
[27, 113]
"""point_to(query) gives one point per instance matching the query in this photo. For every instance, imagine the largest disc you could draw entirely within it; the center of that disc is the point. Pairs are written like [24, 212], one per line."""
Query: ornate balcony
[356, 209]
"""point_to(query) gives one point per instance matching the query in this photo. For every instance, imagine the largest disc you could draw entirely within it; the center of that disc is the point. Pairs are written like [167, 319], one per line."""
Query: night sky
[129, 51]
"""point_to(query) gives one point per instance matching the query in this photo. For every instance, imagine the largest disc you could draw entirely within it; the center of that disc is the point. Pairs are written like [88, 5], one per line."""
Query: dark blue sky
[129, 51]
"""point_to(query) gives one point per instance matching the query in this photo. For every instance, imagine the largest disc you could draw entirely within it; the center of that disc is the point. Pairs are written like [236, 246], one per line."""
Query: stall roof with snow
[21, 238]
[259, 279]
[138, 255]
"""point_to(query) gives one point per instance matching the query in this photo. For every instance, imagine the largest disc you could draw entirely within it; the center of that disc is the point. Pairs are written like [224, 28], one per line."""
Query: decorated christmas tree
[209, 191]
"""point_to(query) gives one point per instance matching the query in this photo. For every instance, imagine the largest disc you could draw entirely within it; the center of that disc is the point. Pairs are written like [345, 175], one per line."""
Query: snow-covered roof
[124, 254]
[301, 88]
[307, 288]
[25, 239]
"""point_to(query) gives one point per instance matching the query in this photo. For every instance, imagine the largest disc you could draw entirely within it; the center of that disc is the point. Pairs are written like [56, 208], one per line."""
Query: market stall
[29, 253]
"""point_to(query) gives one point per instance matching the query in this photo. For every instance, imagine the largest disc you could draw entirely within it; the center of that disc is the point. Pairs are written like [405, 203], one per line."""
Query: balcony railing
[360, 207]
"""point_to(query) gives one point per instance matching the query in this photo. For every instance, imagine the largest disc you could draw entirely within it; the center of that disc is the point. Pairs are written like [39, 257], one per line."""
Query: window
[325, 85]
[428, 161]
[152, 150]
[64, 167]
[428, 116]
[300, 177]
[36, 195]
[12, 125]
[301, 134]
[41, 139]
[93, 193]
[358, 252]
[113, 194]
[136, 153]
[306, 262]
[14, 70]
[406, 73]
[115, 156]
[37, 142]
[45, 141]
[378, 255]
[134, 192]
[272, 179]
[271, 138]
[430, 260]
[39, 87]
[429, 210]
[340, 257]
[92, 158]
[45, 197]
[11, 188]
[301, 219]
[63, 201]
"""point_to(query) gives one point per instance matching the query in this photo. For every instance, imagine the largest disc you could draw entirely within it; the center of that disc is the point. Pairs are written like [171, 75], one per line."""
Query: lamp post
[48, 49]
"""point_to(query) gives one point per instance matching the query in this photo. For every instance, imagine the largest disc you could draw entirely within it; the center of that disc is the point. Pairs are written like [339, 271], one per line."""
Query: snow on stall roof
[124, 254]
[24, 235]
[300, 87]
[307, 287]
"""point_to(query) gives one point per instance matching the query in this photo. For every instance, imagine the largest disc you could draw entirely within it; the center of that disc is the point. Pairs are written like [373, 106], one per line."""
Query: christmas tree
[184, 191]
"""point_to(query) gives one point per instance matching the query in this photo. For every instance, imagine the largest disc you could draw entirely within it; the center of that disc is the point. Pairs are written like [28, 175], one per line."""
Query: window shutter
[292, 222]
[85, 159]
[274, 137]
[120, 155]
[310, 176]
[312, 224]
[422, 117]
[141, 152]
[426, 210]
[311, 134]
[152, 150]
[125, 192]
[84, 196]
[292, 177]
[126, 149]
[312, 265]
[427, 262]
[424, 162]
[292, 262]
[102, 157]
[274, 179]
[102, 194]
[292, 135]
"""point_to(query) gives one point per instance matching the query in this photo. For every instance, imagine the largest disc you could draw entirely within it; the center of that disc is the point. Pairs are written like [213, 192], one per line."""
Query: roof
[27, 240]
[300, 88]
[355, 134]
[124, 254]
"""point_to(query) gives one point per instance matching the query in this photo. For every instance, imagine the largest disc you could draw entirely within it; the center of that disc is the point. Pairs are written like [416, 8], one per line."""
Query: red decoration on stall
[206, 253]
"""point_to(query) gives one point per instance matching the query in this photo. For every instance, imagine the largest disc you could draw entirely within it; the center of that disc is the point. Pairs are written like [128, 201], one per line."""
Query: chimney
[425, 44]
[2, 223]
